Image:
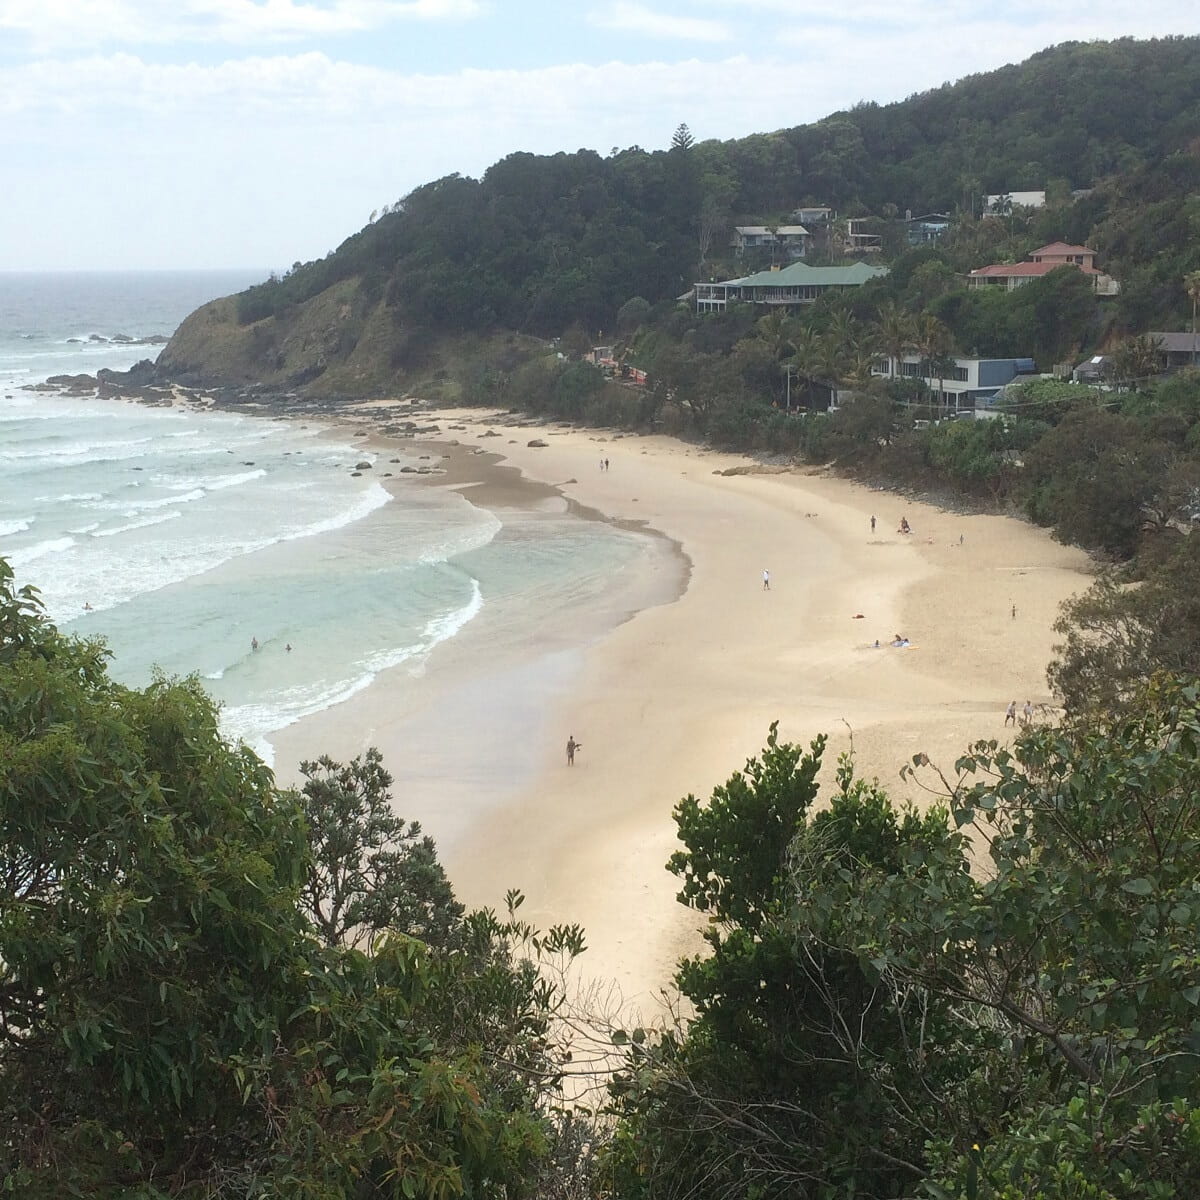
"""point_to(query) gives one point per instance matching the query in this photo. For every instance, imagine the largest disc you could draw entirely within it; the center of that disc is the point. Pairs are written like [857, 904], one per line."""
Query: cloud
[51, 24]
[1078, 20]
[626, 17]
[272, 157]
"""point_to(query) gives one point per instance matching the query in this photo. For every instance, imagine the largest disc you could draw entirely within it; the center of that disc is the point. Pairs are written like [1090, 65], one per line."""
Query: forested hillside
[542, 243]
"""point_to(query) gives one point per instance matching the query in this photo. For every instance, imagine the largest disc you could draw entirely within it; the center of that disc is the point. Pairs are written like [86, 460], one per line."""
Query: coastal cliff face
[342, 343]
[337, 343]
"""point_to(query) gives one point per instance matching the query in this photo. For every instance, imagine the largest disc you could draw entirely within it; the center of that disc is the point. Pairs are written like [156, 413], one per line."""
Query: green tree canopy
[171, 1024]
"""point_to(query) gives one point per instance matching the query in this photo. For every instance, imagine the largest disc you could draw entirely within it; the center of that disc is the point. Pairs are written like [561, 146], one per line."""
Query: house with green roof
[785, 287]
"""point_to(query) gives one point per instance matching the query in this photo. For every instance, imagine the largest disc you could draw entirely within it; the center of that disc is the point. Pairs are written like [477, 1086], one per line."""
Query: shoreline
[674, 684]
[673, 700]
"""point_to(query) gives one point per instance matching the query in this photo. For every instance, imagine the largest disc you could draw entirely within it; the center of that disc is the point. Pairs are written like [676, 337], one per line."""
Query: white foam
[376, 496]
[137, 525]
[164, 501]
[30, 554]
[440, 629]
[219, 483]
[472, 537]
[251, 723]
[78, 453]
[8, 528]
[85, 528]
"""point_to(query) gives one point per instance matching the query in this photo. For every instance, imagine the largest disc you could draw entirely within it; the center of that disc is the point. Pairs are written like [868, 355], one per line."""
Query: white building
[793, 240]
[967, 384]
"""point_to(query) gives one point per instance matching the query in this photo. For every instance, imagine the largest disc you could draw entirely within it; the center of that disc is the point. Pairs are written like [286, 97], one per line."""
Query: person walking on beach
[766, 580]
[872, 522]
[1010, 714]
[254, 643]
[606, 464]
[572, 746]
[1027, 714]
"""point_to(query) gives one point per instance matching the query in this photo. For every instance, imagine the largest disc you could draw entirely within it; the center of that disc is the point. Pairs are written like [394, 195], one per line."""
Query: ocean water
[242, 549]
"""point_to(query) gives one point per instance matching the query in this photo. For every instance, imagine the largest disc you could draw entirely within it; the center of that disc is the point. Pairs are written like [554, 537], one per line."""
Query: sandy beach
[673, 700]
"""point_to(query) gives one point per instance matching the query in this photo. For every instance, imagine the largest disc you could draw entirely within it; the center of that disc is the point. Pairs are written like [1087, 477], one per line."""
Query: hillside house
[785, 287]
[1177, 350]
[921, 231]
[1011, 276]
[1094, 371]
[970, 385]
[812, 216]
[791, 240]
[858, 240]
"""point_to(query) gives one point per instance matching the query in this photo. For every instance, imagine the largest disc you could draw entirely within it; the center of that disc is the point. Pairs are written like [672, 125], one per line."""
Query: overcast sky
[230, 133]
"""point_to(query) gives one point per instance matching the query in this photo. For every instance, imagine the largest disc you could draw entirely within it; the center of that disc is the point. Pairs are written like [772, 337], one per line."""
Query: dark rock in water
[141, 374]
[362, 466]
[71, 383]
[248, 464]
[95, 337]
[74, 341]
[123, 339]
[355, 473]
[408, 470]
[490, 433]
[537, 444]
[395, 460]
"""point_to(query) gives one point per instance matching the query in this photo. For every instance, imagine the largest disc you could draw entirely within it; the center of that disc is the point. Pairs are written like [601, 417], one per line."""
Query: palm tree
[895, 330]
[843, 328]
[833, 360]
[1191, 283]
[776, 331]
[807, 357]
[932, 342]
[859, 369]
[941, 365]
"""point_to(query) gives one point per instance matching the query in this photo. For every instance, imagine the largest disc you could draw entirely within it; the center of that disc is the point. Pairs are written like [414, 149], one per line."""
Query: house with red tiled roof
[1041, 262]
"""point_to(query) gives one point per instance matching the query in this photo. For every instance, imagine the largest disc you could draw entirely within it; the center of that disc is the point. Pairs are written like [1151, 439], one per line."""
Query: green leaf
[1138, 887]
